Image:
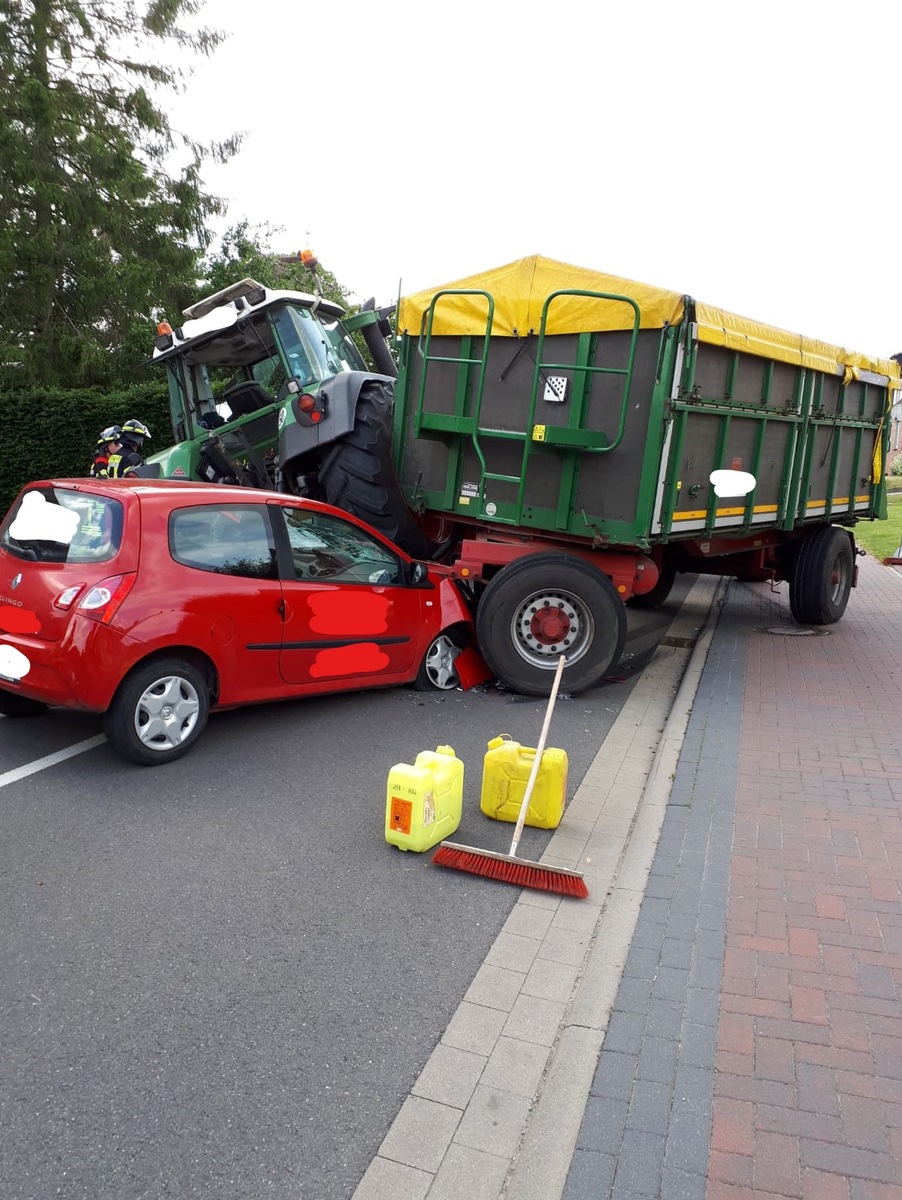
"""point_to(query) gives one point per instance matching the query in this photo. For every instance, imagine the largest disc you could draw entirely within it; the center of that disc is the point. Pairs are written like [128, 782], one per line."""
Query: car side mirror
[419, 572]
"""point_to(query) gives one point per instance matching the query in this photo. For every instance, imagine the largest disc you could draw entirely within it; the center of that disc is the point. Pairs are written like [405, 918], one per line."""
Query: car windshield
[61, 526]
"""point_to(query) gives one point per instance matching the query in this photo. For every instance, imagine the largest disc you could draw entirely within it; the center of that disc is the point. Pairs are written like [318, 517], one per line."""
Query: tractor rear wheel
[357, 473]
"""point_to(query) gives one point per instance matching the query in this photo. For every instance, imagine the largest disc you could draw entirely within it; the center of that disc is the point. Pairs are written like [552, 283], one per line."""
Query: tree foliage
[98, 230]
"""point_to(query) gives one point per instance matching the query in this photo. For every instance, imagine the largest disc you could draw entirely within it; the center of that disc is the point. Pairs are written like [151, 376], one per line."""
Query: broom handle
[531, 782]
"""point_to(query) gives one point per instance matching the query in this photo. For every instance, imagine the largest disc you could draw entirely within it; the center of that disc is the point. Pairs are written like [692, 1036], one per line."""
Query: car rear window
[62, 526]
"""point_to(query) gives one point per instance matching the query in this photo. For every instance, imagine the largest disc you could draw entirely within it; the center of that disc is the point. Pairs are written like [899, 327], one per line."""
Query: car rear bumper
[80, 672]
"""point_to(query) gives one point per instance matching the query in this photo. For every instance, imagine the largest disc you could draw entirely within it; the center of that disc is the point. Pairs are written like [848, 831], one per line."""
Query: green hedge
[53, 433]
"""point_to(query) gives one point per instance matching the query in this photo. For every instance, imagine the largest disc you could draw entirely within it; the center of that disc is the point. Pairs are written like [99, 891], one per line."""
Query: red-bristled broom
[507, 867]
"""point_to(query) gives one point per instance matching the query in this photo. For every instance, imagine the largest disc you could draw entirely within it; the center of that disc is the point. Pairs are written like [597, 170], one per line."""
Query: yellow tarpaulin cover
[519, 290]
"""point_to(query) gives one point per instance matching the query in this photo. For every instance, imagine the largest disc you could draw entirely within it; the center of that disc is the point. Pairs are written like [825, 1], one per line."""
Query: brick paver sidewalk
[755, 1047]
[808, 1083]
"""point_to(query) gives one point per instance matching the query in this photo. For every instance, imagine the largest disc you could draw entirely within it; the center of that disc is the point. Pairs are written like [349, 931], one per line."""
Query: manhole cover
[795, 631]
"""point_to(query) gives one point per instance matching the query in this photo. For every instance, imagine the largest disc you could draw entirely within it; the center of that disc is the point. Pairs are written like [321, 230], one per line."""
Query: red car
[153, 601]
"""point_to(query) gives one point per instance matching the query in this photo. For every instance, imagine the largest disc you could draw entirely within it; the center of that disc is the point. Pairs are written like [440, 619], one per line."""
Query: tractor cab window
[315, 346]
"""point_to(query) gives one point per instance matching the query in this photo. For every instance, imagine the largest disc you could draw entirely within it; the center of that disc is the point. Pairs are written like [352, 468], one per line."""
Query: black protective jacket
[124, 462]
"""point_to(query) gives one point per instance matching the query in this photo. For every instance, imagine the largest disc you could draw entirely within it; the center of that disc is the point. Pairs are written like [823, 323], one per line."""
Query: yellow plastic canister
[505, 774]
[423, 800]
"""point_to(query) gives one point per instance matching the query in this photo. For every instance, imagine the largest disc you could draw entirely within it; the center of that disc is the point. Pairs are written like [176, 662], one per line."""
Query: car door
[351, 614]
[229, 594]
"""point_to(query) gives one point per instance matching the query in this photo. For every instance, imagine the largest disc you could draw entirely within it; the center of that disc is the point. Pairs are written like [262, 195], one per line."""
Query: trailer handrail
[568, 437]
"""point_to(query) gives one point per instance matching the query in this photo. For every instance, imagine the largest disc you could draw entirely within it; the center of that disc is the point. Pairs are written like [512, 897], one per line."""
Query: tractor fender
[339, 395]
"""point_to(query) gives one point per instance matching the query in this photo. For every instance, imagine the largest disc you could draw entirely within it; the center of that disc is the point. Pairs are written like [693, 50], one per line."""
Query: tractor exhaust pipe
[375, 334]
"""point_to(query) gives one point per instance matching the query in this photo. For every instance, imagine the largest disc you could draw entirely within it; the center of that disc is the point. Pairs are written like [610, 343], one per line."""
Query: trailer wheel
[541, 607]
[822, 577]
[658, 593]
[357, 473]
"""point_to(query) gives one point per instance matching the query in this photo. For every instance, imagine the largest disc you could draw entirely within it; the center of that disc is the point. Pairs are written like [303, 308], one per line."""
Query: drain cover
[795, 631]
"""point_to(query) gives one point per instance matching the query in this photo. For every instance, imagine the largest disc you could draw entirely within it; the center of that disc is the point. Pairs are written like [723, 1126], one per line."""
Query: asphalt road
[216, 978]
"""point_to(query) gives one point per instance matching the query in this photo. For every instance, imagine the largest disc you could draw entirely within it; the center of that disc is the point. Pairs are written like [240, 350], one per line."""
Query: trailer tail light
[102, 600]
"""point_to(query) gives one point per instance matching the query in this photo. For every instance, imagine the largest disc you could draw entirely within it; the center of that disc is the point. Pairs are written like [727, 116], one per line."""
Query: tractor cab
[234, 367]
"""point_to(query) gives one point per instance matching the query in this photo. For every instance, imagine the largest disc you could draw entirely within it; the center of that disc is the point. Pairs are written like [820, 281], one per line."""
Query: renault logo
[14, 583]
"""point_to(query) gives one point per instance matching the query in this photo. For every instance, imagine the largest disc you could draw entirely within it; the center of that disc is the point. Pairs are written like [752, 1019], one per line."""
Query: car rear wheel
[158, 713]
[437, 670]
[14, 705]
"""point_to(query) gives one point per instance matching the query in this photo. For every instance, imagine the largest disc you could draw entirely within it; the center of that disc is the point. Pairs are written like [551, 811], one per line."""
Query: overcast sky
[744, 153]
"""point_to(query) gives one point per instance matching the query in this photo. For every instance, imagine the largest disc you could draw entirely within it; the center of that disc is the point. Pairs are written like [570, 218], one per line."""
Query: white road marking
[50, 760]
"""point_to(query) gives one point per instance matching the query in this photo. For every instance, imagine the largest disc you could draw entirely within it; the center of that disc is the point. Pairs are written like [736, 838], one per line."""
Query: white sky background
[746, 154]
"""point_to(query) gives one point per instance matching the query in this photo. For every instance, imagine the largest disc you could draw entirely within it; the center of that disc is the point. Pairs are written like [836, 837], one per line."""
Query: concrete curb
[540, 1169]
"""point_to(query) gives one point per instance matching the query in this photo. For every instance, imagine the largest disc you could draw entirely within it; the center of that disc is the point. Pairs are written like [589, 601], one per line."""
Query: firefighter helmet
[135, 431]
[112, 433]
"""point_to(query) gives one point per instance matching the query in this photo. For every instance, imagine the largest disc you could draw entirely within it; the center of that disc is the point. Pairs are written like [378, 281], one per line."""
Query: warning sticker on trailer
[469, 489]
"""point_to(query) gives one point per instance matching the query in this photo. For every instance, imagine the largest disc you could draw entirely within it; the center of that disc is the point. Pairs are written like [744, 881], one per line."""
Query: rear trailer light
[102, 601]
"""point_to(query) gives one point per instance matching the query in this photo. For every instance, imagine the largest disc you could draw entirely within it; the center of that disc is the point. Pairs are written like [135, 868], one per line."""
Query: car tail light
[101, 601]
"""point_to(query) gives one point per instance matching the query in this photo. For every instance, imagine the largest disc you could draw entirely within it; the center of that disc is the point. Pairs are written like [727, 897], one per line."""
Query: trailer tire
[822, 576]
[584, 618]
[357, 473]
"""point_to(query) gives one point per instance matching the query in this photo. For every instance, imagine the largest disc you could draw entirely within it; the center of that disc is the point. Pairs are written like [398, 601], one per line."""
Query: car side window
[326, 547]
[225, 539]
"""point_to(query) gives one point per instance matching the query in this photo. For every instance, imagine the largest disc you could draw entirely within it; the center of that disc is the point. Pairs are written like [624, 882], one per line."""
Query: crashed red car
[154, 601]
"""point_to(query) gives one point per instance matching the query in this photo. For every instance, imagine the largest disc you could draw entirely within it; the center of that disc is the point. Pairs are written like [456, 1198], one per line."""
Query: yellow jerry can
[423, 801]
[504, 777]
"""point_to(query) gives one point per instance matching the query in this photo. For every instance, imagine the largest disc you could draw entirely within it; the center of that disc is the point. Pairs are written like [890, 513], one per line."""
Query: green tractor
[268, 389]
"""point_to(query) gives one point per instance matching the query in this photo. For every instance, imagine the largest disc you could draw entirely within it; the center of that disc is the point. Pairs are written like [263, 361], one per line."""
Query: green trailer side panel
[566, 488]
[537, 448]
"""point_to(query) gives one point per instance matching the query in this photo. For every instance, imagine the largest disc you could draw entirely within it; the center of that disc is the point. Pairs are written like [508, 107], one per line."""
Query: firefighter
[131, 436]
[107, 443]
